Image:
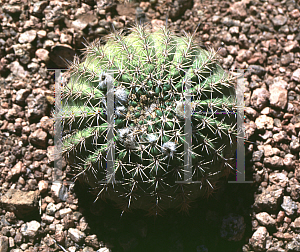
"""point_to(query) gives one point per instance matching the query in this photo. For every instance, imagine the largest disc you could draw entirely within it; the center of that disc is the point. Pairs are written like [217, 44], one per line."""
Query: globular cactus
[126, 103]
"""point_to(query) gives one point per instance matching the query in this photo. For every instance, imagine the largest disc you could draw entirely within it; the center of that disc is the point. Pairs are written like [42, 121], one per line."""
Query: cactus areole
[149, 120]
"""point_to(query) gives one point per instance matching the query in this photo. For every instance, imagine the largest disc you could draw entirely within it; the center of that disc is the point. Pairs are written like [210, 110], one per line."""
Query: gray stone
[266, 135]
[27, 36]
[63, 212]
[264, 122]
[51, 209]
[234, 30]
[289, 160]
[12, 9]
[295, 225]
[259, 98]
[3, 244]
[258, 239]
[216, 19]
[269, 199]
[42, 54]
[295, 144]
[38, 138]
[243, 54]
[43, 186]
[16, 171]
[88, 249]
[279, 178]
[281, 136]
[47, 218]
[230, 22]
[286, 59]
[294, 187]
[249, 129]
[257, 69]
[257, 156]
[265, 219]
[279, 20]
[30, 229]
[104, 250]
[296, 75]
[92, 240]
[83, 20]
[250, 112]
[38, 155]
[37, 107]
[290, 45]
[76, 235]
[273, 162]
[294, 245]
[59, 191]
[289, 206]
[38, 7]
[54, 14]
[20, 202]
[238, 10]
[179, 7]
[14, 112]
[17, 69]
[278, 95]
[21, 95]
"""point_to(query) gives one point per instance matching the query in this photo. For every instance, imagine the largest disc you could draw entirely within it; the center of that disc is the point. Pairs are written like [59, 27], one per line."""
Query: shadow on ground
[199, 231]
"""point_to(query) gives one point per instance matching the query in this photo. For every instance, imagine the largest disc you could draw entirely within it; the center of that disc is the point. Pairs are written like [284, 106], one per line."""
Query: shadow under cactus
[200, 229]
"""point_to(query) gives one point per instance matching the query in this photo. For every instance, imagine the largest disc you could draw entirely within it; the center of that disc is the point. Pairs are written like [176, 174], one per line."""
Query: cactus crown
[129, 97]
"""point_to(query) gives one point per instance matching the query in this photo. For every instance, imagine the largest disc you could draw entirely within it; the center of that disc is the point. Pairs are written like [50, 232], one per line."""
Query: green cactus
[149, 73]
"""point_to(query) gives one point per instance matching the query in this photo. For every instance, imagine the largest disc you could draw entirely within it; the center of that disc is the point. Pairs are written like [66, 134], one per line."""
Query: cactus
[149, 75]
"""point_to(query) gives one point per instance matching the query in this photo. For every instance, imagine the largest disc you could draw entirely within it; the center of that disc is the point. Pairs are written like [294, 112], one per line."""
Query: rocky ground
[38, 215]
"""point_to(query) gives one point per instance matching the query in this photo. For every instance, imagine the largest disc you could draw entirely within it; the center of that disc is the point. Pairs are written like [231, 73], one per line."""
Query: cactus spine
[149, 73]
